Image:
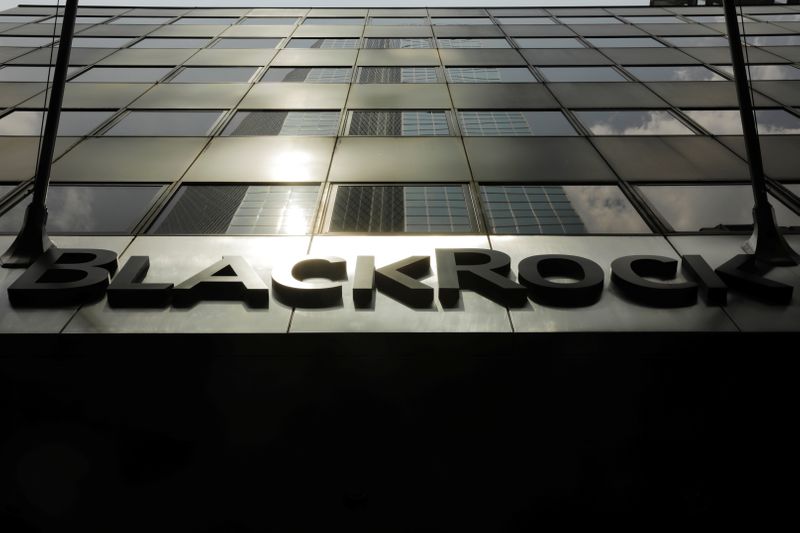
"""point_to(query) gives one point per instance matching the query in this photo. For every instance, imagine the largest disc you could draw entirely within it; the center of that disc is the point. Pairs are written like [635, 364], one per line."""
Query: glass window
[122, 74]
[460, 21]
[514, 123]
[206, 20]
[632, 123]
[78, 20]
[239, 42]
[332, 21]
[239, 210]
[323, 43]
[398, 21]
[489, 75]
[473, 42]
[581, 74]
[710, 207]
[715, 18]
[100, 42]
[214, 75]
[283, 123]
[654, 20]
[398, 123]
[525, 20]
[155, 42]
[5, 189]
[395, 209]
[760, 72]
[548, 42]
[780, 17]
[676, 73]
[19, 18]
[589, 20]
[422, 42]
[773, 40]
[141, 20]
[728, 121]
[270, 21]
[696, 41]
[624, 42]
[165, 123]
[397, 75]
[553, 209]
[308, 74]
[76, 209]
[28, 42]
[71, 123]
[20, 73]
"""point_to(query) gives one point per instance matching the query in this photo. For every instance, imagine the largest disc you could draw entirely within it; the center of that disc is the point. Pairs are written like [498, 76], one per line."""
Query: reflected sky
[766, 72]
[460, 21]
[589, 20]
[246, 43]
[70, 122]
[31, 42]
[20, 73]
[697, 41]
[655, 20]
[604, 209]
[777, 17]
[154, 42]
[214, 75]
[333, 21]
[624, 42]
[88, 209]
[269, 21]
[141, 20]
[525, 20]
[206, 20]
[728, 121]
[548, 42]
[398, 21]
[696, 207]
[122, 74]
[581, 74]
[163, 123]
[773, 40]
[677, 73]
[632, 123]
[100, 42]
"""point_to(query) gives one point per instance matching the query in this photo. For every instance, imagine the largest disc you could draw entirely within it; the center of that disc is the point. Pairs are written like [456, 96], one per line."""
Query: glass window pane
[206, 20]
[78, 20]
[525, 20]
[756, 72]
[728, 121]
[19, 73]
[773, 40]
[214, 74]
[333, 21]
[323, 43]
[246, 43]
[283, 123]
[122, 74]
[270, 21]
[100, 42]
[709, 207]
[589, 20]
[395, 209]
[88, 209]
[529, 209]
[714, 18]
[308, 74]
[155, 42]
[460, 21]
[678, 73]
[422, 42]
[473, 42]
[632, 123]
[166, 123]
[654, 20]
[581, 74]
[239, 210]
[780, 17]
[19, 18]
[141, 20]
[624, 42]
[71, 123]
[398, 21]
[398, 123]
[26, 42]
[548, 42]
[397, 75]
[514, 123]
[489, 75]
[694, 41]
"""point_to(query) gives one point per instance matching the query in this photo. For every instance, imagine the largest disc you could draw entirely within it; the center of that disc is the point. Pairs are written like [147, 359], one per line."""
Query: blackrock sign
[64, 277]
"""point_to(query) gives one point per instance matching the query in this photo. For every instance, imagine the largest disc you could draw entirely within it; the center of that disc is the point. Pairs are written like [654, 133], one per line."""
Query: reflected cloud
[604, 209]
[632, 123]
[728, 121]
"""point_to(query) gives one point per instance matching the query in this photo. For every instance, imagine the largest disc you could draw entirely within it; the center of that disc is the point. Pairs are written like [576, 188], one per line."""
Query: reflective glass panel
[270, 21]
[710, 207]
[165, 123]
[780, 17]
[100, 42]
[728, 121]
[239, 210]
[714, 18]
[624, 42]
[396, 209]
[20, 73]
[78, 20]
[696, 41]
[246, 43]
[398, 21]
[398, 123]
[75, 209]
[328, 42]
[489, 75]
[214, 75]
[141, 20]
[632, 123]
[308, 74]
[514, 123]
[122, 74]
[581, 74]
[552, 209]
[397, 75]
[525, 20]
[677, 73]
[283, 123]
[460, 21]
[589, 20]
[155, 42]
[773, 40]
[548, 42]
[28, 42]
[654, 20]
[71, 123]
[331, 21]
[19, 18]
[422, 42]
[473, 42]
[206, 20]
[762, 72]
